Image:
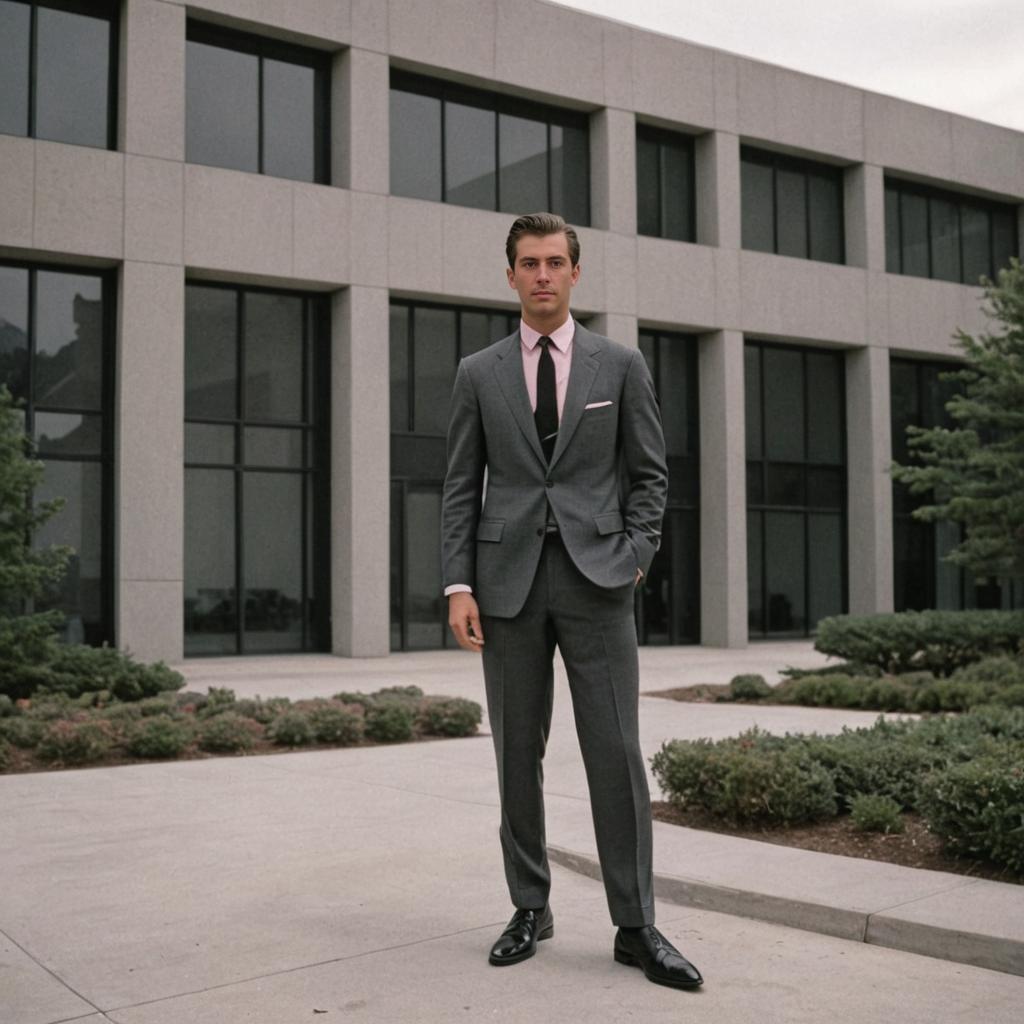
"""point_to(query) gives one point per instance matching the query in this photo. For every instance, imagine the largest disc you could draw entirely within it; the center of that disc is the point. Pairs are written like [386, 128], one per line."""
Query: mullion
[260, 134]
[33, 63]
[240, 474]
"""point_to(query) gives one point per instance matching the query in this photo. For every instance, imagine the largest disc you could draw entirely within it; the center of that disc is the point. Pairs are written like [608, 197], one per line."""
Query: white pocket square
[598, 405]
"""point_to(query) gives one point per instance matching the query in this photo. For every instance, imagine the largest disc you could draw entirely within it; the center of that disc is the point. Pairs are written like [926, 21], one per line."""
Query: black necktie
[546, 416]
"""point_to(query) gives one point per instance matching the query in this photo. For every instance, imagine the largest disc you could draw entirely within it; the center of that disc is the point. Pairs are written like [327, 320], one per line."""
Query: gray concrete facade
[163, 221]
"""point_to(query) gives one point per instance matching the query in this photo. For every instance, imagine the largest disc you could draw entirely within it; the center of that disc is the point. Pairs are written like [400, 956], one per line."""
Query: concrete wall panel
[456, 35]
[471, 254]
[675, 283]
[726, 82]
[360, 111]
[149, 619]
[17, 172]
[312, 22]
[618, 66]
[613, 171]
[620, 272]
[154, 204]
[923, 314]
[368, 239]
[907, 137]
[369, 24]
[321, 233]
[79, 200]
[238, 222]
[415, 245]
[988, 156]
[673, 80]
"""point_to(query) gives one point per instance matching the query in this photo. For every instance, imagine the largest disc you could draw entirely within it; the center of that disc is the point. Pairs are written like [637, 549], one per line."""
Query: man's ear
[576, 273]
[511, 277]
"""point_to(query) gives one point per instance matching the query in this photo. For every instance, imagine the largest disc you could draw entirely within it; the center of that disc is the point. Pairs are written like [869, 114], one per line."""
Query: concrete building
[243, 244]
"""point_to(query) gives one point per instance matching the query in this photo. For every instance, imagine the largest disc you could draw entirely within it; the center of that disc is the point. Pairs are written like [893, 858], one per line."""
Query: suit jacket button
[540, 531]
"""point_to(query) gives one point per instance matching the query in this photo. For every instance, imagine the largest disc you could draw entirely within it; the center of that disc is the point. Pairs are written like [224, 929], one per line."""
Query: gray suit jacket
[606, 484]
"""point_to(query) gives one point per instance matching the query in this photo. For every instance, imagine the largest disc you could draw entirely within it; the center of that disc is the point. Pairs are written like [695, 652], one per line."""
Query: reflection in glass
[785, 571]
[976, 243]
[791, 212]
[914, 234]
[1004, 237]
[424, 599]
[14, 329]
[752, 399]
[68, 434]
[469, 156]
[757, 206]
[678, 417]
[68, 340]
[415, 145]
[648, 185]
[474, 332]
[945, 240]
[892, 230]
[825, 565]
[398, 334]
[396, 565]
[79, 594]
[14, 67]
[826, 387]
[211, 611]
[676, 189]
[523, 151]
[211, 352]
[209, 443]
[784, 404]
[826, 213]
[273, 356]
[222, 115]
[570, 173]
[72, 77]
[435, 362]
[272, 529]
[273, 447]
[755, 571]
[289, 104]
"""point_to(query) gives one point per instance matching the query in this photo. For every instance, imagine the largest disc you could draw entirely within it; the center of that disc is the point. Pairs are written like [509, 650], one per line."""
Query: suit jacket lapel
[582, 372]
[509, 371]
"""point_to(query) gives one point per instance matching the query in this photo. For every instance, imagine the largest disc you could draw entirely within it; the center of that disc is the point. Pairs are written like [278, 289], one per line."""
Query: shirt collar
[561, 336]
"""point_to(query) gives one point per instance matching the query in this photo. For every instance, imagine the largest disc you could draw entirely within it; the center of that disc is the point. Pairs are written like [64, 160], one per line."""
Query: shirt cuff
[458, 588]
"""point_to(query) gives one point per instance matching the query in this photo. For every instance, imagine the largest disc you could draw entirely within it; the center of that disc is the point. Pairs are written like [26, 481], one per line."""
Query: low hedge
[965, 775]
[938, 641]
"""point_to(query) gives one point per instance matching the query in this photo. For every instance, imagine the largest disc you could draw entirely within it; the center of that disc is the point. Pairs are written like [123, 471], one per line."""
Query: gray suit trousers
[594, 629]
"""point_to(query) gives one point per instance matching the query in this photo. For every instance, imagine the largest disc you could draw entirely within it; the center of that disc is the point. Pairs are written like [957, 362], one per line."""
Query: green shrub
[218, 699]
[872, 812]
[5, 755]
[336, 723]
[159, 736]
[6, 706]
[22, 731]
[390, 723]
[1001, 670]
[977, 807]
[448, 716]
[262, 711]
[291, 729]
[938, 641]
[50, 707]
[363, 700]
[69, 742]
[121, 713]
[842, 668]
[411, 694]
[745, 780]
[78, 669]
[749, 687]
[163, 705]
[1010, 697]
[831, 691]
[228, 733]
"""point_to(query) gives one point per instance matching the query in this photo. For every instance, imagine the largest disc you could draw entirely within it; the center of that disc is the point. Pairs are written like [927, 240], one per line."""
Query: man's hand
[464, 619]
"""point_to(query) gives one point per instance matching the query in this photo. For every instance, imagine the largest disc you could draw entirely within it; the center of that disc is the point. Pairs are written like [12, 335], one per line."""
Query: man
[552, 513]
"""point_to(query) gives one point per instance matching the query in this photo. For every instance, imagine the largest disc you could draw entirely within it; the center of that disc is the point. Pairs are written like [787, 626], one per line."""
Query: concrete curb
[880, 928]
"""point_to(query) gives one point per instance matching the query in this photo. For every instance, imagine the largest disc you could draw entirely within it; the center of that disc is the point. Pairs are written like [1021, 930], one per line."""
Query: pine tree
[973, 473]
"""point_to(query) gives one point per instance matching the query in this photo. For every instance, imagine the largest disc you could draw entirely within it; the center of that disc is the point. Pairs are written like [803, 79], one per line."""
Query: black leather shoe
[519, 940]
[649, 950]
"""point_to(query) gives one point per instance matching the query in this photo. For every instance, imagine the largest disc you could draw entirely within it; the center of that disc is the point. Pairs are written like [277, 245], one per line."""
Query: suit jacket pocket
[490, 529]
[609, 522]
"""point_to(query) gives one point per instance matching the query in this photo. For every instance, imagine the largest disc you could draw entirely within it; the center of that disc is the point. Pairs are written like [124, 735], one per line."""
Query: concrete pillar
[618, 326]
[151, 106]
[864, 216]
[359, 121]
[717, 159]
[613, 171]
[723, 491]
[360, 473]
[869, 485]
[149, 455]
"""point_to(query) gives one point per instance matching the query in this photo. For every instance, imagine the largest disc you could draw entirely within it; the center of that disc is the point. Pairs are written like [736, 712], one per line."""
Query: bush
[159, 736]
[938, 641]
[408, 694]
[76, 742]
[22, 731]
[228, 733]
[871, 812]
[745, 780]
[121, 713]
[6, 706]
[390, 723]
[1001, 670]
[448, 716]
[218, 699]
[363, 700]
[336, 723]
[977, 808]
[831, 691]
[749, 687]
[291, 729]
[262, 711]
[842, 668]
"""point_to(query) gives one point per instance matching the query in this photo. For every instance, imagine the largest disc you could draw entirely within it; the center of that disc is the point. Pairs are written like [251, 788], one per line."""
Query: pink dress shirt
[561, 355]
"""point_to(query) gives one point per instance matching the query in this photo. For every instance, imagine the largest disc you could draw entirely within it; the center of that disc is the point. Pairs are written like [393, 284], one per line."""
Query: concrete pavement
[367, 884]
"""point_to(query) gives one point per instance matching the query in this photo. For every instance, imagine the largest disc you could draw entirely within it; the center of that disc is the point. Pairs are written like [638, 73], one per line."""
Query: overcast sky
[961, 55]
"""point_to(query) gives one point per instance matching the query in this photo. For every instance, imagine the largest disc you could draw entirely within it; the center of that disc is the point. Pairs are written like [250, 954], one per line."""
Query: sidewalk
[367, 883]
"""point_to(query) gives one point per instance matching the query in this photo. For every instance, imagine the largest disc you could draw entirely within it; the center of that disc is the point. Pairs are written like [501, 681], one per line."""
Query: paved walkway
[366, 885]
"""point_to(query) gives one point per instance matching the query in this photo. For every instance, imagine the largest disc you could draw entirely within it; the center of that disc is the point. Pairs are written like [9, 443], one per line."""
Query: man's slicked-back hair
[541, 224]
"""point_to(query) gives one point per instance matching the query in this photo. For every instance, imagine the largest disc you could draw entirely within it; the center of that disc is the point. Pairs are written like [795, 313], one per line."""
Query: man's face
[544, 276]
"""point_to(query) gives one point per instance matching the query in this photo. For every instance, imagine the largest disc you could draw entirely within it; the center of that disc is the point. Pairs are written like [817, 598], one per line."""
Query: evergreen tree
[973, 473]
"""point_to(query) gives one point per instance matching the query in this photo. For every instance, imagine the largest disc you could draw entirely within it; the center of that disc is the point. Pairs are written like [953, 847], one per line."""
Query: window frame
[804, 166]
[899, 187]
[662, 137]
[101, 10]
[496, 103]
[266, 47]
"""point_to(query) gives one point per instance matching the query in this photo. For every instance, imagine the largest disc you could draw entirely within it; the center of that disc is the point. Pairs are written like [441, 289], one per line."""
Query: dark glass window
[56, 345]
[427, 342]
[474, 148]
[935, 233]
[796, 488]
[255, 104]
[58, 70]
[665, 184]
[256, 497]
[791, 207]
[668, 598]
